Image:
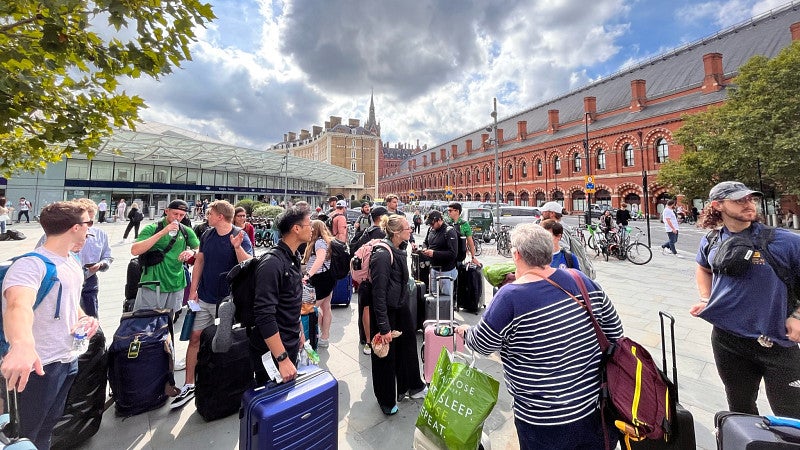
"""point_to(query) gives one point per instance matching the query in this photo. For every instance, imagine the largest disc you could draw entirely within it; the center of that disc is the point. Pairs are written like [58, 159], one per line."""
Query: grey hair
[534, 244]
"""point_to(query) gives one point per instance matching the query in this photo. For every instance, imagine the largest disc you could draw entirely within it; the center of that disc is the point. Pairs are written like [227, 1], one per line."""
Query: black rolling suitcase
[86, 400]
[221, 378]
[681, 435]
[737, 431]
[470, 288]
[132, 278]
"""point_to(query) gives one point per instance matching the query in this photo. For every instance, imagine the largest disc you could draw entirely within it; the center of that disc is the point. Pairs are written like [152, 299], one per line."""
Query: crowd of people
[531, 322]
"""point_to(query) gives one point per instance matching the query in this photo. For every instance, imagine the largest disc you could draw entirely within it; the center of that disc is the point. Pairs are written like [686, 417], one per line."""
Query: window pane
[192, 176]
[162, 174]
[208, 177]
[221, 178]
[123, 172]
[578, 162]
[144, 172]
[102, 170]
[179, 175]
[78, 169]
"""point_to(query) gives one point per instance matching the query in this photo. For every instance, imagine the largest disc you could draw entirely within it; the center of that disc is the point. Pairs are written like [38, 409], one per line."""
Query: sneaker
[420, 393]
[389, 411]
[401, 397]
[187, 393]
[323, 343]
[367, 350]
[180, 365]
[679, 256]
[664, 251]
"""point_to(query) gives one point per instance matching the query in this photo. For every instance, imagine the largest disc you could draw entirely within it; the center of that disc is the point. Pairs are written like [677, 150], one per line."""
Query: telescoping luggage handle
[665, 315]
[11, 429]
[440, 329]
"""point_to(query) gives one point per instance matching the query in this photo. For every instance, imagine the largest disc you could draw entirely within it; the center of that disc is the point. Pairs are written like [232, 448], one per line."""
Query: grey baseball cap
[731, 190]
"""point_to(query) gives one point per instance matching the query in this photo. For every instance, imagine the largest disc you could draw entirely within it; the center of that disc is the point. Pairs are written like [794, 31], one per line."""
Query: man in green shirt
[463, 228]
[169, 272]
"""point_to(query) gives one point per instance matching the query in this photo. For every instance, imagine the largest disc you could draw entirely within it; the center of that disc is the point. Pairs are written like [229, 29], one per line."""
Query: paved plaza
[638, 292]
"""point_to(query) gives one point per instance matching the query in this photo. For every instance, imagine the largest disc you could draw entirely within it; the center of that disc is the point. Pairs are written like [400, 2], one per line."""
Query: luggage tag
[133, 349]
[272, 369]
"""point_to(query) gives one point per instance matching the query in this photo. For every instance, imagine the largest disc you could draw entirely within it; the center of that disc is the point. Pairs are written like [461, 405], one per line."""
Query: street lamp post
[286, 179]
[588, 216]
[496, 169]
[644, 188]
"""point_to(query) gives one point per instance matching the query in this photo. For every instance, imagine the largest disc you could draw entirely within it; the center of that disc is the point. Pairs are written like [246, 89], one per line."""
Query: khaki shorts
[205, 317]
[148, 299]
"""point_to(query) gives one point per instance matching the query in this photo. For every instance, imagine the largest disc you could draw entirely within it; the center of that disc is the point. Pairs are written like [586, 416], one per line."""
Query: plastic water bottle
[174, 233]
[80, 342]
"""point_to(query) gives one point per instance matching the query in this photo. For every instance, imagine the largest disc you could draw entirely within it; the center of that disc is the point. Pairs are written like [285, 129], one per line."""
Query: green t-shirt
[170, 271]
[465, 229]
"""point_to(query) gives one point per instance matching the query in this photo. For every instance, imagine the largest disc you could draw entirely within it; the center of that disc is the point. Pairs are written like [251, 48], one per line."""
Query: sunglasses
[88, 223]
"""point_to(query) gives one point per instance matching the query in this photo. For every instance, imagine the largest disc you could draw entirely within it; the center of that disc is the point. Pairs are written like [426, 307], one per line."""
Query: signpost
[448, 193]
[589, 184]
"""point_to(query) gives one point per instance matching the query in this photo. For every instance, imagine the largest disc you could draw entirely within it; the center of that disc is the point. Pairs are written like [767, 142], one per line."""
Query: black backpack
[242, 279]
[568, 258]
[329, 221]
[462, 244]
[340, 259]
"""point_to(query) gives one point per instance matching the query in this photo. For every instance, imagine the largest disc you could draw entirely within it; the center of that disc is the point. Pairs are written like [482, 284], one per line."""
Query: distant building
[628, 120]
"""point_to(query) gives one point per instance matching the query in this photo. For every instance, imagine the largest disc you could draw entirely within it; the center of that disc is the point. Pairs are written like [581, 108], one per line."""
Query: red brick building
[630, 119]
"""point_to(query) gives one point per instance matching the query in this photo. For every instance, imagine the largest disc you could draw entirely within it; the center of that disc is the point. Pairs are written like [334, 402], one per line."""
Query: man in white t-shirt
[671, 227]
[102, 209]
[40, 364]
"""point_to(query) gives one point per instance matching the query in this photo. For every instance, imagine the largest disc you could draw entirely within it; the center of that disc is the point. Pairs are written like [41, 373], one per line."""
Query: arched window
[627, 154]
[662, 150]
[538, 167]
[524, 169]
[510, 171]
[601, 159]
[557, 165]
[353, 166]
[486, 173]
[469, 176]
[578, 163]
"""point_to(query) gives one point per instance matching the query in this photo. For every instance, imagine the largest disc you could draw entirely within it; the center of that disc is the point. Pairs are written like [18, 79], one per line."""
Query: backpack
[359, 265]
[568, 258]
[733, 258]
[50, 278]
[461, 252]
[138, 217]
[329, 221]
[585, 263]
[360, 239]
[339, 259]
[242, 279]
[633, 389]
[417, 219]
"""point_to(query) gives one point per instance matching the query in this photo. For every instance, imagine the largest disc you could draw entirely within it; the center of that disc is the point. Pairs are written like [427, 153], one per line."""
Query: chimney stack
[795, 30]
[454, 151]
[522, 130]
[590, 107]
[638, 95]
[500, 136]
[469, 146]
[714, 76]
[552, 121]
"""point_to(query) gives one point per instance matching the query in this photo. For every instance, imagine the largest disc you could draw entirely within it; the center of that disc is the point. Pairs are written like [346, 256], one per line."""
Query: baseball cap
[433, 216]
[178, 204]
[378, 211]
[731, 190]
[341, 204]
[552, 207]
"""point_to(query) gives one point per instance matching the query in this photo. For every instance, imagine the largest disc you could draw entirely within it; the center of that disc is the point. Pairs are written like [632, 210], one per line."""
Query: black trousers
[398, 372]
[135, 226]
[101, 216]
[742, 363]
[364, 301]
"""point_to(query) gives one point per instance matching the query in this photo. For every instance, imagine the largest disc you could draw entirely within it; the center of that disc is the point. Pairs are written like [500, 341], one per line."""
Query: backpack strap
[568, 258]
[762, 240]
[50, 278]
[586, 304]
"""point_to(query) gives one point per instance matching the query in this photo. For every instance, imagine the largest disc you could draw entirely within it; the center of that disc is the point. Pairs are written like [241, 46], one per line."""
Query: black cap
[178, 204]
[433, 216]
[378, 211]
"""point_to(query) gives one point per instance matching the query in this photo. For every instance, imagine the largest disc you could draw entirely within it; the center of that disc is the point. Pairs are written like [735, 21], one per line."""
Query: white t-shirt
[669, 214]
[53, 336]
[102, 206]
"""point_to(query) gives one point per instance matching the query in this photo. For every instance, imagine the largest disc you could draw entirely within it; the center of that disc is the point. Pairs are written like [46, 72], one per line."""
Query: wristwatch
[281, 357]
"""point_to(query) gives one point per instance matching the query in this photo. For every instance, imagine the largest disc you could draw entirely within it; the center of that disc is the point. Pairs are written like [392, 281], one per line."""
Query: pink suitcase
[434, 342]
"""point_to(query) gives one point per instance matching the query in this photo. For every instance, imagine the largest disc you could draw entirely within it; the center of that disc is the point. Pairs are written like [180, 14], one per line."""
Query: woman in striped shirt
[549, 350]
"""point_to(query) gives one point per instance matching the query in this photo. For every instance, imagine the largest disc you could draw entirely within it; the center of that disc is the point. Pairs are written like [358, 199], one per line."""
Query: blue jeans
[673, 238]
[41, 404]
[445, 286]
[585, 434]
[89, 296]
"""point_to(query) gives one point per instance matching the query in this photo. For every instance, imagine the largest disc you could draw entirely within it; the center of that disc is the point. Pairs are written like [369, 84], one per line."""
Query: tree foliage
[759, 125]
[60, 65]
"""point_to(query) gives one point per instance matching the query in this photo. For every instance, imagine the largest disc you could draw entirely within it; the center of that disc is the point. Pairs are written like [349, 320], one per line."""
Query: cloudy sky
[264, 68]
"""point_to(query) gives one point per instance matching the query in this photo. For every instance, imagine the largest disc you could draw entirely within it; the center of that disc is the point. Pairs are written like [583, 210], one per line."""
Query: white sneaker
[367, 349]
[419, 394]
[180, 365]
[187, 393]
[322, 343]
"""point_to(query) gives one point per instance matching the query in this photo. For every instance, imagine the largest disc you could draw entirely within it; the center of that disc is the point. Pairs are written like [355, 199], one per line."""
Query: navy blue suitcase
[342, 291]
[300, 414]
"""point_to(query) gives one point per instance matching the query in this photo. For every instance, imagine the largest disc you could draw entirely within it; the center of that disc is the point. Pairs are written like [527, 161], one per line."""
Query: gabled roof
[162, 144]
[671, 72]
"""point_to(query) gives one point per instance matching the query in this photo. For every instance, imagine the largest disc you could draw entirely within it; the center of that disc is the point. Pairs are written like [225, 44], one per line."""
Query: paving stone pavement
[638, 292]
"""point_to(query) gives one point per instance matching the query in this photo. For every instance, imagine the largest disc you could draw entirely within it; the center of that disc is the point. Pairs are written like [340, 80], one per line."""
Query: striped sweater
[548, 347]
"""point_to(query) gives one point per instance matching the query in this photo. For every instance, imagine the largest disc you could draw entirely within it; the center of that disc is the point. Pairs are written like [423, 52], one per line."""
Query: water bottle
[80, 342]
[174, 233]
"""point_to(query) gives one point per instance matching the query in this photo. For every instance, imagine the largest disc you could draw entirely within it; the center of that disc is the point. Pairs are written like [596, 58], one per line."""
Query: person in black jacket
[374, 231]
[397, 373]
[278, 298]
[441, 247]
[135, 217]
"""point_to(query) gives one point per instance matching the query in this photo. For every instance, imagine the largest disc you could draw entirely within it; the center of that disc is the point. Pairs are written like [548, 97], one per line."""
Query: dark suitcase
[416, 303]
[469, 286]
[342, 291]
[14, 235]
[421, 270]
[221, 379]
[86, 400]
[737, 431]
[132, 278]
[682, 434]
[300, 414]
[444, 303]
[9, 425]
[140, 362]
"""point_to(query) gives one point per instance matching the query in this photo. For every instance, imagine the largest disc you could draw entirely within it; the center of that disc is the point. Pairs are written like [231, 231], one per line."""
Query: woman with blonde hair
[318, 263]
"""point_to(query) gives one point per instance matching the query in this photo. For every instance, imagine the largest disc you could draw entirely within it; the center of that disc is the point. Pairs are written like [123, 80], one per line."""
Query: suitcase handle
[452, 298]
[665, 315]
[11, 429]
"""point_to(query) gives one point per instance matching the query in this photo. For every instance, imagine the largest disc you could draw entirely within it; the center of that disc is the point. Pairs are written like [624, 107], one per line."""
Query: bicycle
[623, 244]
[478, 245]
[504, 241]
